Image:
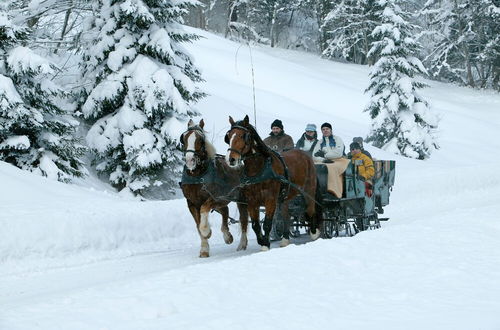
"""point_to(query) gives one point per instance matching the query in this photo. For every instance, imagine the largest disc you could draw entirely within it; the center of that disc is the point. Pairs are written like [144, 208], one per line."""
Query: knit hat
[311, 127]
[327, 125]
[358, 139]
[277, 123]
[355, 145]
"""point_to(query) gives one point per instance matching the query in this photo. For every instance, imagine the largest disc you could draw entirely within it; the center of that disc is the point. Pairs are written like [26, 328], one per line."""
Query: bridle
[197, 153]
[247, 139]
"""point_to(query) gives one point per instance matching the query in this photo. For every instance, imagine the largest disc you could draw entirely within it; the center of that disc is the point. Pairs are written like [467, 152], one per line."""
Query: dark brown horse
[209, 183]
[269, 178]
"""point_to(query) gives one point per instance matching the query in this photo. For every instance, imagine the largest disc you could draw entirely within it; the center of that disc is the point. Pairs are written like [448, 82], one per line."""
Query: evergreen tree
[141, 83]
[402, 122]
[349, 25]
[465, 41]
[36, 134]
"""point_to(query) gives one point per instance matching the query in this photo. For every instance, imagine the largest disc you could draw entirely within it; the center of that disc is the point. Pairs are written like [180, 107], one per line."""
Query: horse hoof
[204, 254]
[243, 243]
[228, 238]
[316, 235]
[284, 242]
[264, 248]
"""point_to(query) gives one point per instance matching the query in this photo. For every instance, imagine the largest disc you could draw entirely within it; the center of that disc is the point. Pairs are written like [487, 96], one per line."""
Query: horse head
[195, 146]
[240, 141]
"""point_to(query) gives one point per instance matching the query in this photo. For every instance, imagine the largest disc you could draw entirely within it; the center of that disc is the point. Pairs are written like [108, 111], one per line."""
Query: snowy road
[17, 289]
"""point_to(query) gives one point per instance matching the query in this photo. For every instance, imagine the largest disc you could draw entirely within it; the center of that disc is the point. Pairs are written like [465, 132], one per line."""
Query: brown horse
[269, 178]
[208, 183]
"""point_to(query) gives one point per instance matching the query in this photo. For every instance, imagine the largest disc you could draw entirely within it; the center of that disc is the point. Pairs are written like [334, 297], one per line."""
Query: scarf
[332, 142]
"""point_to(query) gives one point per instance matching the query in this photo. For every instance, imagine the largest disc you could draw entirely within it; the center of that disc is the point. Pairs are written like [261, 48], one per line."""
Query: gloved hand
[328, 161]
[319, 153]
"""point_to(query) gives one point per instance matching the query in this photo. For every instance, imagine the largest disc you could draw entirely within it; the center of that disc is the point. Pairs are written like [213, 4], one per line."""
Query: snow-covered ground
[81, 257]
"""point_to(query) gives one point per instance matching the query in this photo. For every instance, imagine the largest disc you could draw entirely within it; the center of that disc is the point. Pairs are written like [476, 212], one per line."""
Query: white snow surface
[81, 256]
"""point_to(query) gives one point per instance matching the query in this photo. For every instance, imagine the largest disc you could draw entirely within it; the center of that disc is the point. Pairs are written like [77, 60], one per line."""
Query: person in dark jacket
[308, 140]
[277, 139]
[359, 140]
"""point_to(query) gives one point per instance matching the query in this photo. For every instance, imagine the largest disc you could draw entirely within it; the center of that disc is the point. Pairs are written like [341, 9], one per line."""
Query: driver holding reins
[277, 139]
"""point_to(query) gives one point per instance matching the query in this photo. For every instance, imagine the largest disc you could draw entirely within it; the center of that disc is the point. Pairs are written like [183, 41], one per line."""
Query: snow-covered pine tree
[141, 84]
[465, 41]
[349, 26]
[402, 122]
[36, 134]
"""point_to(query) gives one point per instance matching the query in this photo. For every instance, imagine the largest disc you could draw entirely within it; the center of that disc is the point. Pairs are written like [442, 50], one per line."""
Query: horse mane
[211, 152]
[261, 146]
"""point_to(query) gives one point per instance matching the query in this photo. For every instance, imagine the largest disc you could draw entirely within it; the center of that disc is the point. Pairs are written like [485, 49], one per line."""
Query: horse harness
[206, 177]
[267, 172]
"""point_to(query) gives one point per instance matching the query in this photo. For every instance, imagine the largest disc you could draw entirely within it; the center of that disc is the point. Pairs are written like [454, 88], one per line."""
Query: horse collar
[207, 176]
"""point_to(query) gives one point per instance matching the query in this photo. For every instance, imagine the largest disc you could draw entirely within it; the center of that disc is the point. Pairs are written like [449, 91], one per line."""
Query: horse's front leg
[195, 212]
[286, 224]
[224, 211]
[253, 210]
[242, 208]
[204, 228]
[270, 205]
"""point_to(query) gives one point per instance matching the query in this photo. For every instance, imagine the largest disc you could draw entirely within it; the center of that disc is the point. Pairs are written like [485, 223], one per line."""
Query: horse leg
[314, 214]
[204, 229]
[270, 206]
[286, 224]
[195, 212]
[242, 208]
[224, 211]
[254, 215]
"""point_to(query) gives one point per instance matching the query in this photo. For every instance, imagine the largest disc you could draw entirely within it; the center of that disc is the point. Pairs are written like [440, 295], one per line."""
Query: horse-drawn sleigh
[254, 176]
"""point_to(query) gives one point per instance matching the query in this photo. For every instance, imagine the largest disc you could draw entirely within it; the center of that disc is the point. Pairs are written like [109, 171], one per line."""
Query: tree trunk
[63, 31]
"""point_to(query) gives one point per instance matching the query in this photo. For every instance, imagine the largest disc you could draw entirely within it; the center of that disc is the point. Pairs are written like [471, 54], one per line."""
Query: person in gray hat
[359, 140]
[308, 140]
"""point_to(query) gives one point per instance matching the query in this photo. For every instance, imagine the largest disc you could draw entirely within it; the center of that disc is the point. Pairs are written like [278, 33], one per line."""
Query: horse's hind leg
[286, 225]
[268, 223]
[224, 211]
[254, 215]
[242, 208]
[314, 213]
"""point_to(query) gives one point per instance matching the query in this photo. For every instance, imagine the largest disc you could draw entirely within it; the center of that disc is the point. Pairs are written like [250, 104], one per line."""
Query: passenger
[308, 140]
[359, 140]
[329, 147]
[365, 167]
[277, 139]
